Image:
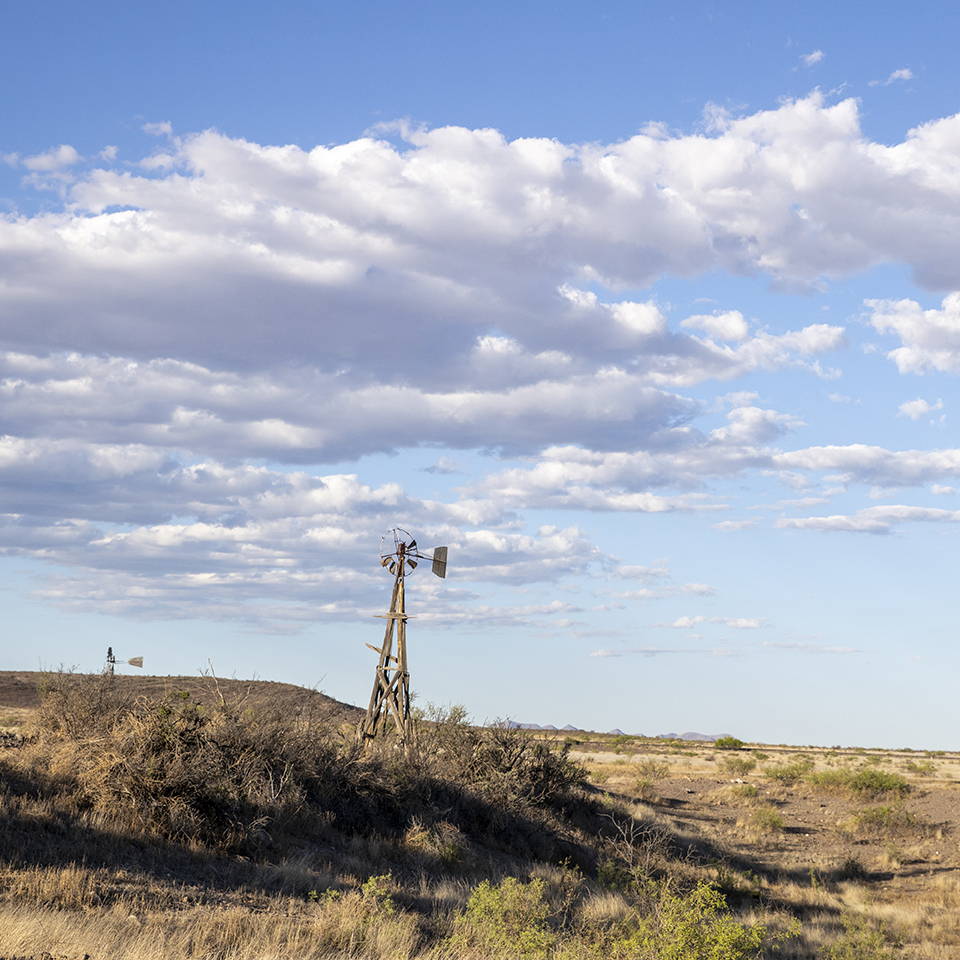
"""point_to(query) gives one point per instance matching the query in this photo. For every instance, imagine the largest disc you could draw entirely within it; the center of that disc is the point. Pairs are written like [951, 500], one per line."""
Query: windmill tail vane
[389, 707]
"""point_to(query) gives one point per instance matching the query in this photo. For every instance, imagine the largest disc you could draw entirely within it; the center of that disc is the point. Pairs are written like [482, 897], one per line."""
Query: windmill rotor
[400, 554]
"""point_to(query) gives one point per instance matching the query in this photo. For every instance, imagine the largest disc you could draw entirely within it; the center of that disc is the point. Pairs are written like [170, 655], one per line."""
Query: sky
[650, 311]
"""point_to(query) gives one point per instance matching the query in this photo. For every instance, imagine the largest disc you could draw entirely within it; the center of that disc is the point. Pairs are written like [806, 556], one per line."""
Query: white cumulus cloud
[916, 409]
[54, 159]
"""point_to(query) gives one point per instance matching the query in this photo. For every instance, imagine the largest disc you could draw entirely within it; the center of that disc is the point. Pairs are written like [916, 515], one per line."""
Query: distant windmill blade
[135, 661]
[413, 564]
[412, 546]
[440, 561]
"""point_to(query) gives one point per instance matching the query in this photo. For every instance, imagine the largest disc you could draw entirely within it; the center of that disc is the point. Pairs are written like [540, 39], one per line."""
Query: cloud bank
[189, 342]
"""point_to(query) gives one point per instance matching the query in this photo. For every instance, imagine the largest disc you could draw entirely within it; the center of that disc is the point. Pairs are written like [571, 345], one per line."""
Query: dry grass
[346, 927]
[153, 830]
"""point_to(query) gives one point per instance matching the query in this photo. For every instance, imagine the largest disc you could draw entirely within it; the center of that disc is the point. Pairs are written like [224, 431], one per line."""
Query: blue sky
[646, 309]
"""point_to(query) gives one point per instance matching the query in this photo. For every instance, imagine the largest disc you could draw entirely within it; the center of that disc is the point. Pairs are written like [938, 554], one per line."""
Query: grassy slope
[77, 877]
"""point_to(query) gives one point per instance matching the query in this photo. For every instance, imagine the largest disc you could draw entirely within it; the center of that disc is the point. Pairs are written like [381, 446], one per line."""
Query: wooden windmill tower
[389, 708]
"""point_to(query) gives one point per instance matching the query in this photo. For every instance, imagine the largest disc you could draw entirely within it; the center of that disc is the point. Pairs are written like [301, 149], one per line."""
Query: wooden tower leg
[390, 697]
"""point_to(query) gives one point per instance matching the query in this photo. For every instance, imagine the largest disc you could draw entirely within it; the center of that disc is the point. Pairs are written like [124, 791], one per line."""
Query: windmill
[112, 661]
[390, 700]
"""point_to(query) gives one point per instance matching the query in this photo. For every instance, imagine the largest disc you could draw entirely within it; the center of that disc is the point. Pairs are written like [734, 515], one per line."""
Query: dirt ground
[895, 856]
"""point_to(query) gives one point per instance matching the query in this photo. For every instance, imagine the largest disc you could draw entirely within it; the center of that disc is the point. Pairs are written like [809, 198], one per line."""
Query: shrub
[653, 769]
[920, 768]
[860, 941]
[878, 783]
[738, 766]
[851, 869]
[378, 891]
[889, 819]
[441, 840]
[694, 926]
[728, 743]
[174, 768]
[764, 820]
[789, 773]
[510, 766]
[506, 921]
[646, 790]
[867, 784]
[76, 706]
[243, 781]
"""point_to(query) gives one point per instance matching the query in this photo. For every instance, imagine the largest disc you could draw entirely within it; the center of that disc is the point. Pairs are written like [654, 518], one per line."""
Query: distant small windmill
[390, 699]
[112, 661]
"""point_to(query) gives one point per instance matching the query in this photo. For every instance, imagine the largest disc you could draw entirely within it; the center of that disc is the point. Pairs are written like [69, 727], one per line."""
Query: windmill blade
[393, 566]
[440, 561]
[135, 661]
[413, 564]
[412, 546]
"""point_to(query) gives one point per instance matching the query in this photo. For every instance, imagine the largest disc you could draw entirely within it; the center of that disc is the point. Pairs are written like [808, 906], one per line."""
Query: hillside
[135, 826]
[20, 688]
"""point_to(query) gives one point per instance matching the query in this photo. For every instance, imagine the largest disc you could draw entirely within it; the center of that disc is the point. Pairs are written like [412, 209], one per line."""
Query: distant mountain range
[617, 732]
[514, 725]
[691, 735]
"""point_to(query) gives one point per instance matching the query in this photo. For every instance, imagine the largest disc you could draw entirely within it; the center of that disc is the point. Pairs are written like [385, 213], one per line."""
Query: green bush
[867, 784]
[378, 891]
[507, 921]
[860, 941]
[653, 769]
[738, 766]
[788, 773]
[728, 743]
[764, 820]
[645, 789]
[695, 926]
[887, 819]
[920, 768]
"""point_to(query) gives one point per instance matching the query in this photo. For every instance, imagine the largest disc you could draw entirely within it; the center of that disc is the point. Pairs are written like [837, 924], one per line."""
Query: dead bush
[511, 765]
[79, 705]
[188, 773]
